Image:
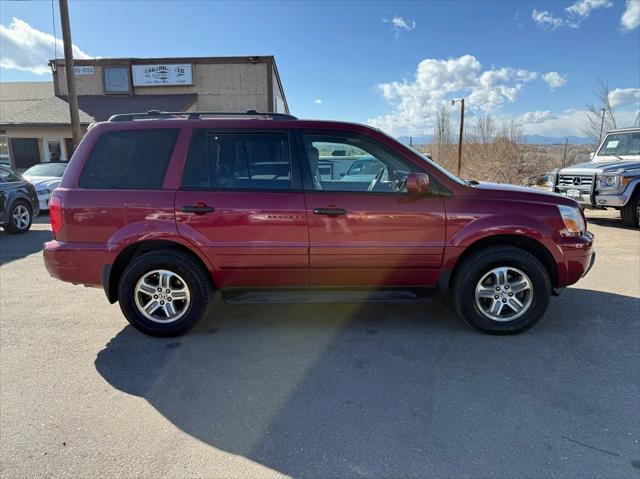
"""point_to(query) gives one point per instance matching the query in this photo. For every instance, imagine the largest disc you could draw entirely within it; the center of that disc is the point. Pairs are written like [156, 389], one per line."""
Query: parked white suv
[610, 180]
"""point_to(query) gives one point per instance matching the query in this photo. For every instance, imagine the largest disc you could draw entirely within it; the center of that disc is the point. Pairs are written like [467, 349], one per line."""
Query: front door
[364, 228]
[241, 202]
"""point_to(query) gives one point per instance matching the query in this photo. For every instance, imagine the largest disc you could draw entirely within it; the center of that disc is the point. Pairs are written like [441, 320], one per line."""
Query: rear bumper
[77, 263]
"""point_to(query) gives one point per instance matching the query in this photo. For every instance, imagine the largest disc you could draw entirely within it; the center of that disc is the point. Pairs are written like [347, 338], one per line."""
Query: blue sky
[387, 63]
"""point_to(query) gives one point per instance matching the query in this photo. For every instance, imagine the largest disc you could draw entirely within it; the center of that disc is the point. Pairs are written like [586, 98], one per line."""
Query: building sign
[83, 70]
[161, 75]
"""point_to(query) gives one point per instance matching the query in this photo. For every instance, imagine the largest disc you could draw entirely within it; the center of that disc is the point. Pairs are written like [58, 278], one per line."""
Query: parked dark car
[160, 211]
[18, 202]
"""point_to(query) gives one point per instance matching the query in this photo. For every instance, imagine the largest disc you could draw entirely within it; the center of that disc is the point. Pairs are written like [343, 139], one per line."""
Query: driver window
[354, 163]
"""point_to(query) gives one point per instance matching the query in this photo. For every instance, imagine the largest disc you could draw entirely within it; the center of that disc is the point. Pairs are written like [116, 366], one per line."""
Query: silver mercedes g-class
[610, 180]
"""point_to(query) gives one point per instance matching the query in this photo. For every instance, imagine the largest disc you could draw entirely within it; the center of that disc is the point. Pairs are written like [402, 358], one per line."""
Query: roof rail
[196, 115]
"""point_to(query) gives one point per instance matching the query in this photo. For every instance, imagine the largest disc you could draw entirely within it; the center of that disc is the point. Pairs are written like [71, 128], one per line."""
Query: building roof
[34, 103]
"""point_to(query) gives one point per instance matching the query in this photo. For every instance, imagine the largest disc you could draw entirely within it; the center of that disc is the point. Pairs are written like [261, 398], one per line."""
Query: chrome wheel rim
[21, 217]
[504, 294]
[162, 296]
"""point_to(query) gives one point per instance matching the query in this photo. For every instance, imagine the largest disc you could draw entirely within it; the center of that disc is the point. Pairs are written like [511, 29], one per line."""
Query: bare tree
[594, 123]
[443, 137]
[484, 129]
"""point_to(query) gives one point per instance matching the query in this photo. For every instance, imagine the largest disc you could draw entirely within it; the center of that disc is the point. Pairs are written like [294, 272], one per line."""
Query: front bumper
[43, 201]
[593, 198]
[579, 257]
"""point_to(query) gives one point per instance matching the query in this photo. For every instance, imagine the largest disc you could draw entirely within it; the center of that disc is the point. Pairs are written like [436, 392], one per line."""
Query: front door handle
[199, 209]
[330, 211]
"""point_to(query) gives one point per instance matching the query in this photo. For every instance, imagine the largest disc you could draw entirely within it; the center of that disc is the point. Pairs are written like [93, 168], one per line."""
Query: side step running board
[323, 296]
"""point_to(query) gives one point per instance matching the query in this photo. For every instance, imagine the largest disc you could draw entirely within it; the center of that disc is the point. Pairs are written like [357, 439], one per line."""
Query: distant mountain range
[530, 139]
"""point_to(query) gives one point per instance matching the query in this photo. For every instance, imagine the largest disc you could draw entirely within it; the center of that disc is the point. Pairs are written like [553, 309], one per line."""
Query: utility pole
[453, 102]
[601, 125]
[564, 158]
[70, 73]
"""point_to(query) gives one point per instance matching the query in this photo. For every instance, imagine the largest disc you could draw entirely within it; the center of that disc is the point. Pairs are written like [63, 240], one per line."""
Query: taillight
[55, 214]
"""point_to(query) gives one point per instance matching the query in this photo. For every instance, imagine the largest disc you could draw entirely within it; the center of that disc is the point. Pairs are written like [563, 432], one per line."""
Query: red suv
[163, 209]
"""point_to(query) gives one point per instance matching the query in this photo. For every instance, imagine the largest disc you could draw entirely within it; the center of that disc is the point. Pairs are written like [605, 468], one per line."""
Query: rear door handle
[330, 211]
[197, 209]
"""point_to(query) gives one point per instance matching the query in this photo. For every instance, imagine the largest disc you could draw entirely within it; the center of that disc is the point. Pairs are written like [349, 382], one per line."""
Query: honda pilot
[161, 210]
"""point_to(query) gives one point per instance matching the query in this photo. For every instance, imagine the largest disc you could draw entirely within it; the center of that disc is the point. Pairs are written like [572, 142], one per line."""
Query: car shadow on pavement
[610, 222]
[13, 247]
[394, 390]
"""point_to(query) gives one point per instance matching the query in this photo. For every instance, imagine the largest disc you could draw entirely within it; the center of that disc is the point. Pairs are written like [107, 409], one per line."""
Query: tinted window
[239, 161]
[133, 159]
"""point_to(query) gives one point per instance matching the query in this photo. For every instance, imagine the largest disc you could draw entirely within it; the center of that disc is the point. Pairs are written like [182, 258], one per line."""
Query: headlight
[609, 181]
[44, 192]
[573, 219]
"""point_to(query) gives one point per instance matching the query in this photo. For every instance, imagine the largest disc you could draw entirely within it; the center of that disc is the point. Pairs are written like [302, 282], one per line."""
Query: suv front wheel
[164, 293]
[501, 290]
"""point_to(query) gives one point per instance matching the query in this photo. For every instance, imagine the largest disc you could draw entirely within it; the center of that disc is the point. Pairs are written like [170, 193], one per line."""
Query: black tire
[193, 274]
[631, 210]
[11, 227]
[480, 263]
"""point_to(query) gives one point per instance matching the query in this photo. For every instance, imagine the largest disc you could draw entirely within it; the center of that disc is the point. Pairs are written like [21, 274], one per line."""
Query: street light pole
[601, 125]
[453, 102]
[76, 133]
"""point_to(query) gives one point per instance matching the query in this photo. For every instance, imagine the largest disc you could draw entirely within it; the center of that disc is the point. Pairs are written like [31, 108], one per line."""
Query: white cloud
[575, 14]
[414, 102]
[554, 79]
[545, 19]
[23, 47]
[399, 24]
[567, 123]
[583, 8]
[624, 96]
[631, 17]
[317, 101]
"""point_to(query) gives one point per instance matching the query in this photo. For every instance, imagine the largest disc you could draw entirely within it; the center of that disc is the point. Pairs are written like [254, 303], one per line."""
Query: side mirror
[418, 183]
[343, 173]
[592, 154]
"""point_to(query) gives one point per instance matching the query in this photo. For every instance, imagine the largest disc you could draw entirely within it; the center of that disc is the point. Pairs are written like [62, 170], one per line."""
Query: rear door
[367, 232]
[241, 202]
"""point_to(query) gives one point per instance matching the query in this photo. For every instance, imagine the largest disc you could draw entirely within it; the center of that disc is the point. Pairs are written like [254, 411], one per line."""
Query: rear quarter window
[129, 159]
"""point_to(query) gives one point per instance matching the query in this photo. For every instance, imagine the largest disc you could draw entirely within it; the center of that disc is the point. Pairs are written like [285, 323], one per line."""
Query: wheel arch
[525, 243]
[111, 273]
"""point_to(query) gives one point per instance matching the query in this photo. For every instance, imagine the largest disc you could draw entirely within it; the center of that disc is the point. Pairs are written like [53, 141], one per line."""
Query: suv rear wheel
[164, 292]
[20, 218]
[501, 290]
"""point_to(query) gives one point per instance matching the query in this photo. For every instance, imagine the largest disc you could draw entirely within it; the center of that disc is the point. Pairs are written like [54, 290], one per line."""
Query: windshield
[47, 169]
[619, 144]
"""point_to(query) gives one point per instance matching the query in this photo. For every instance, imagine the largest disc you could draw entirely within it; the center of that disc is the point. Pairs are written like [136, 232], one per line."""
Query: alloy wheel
[162, 296]
[21, 217]
[504, 294]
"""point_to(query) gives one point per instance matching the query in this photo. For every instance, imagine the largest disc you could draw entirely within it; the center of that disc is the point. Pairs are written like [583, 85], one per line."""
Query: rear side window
[129, 159]
[243, 161]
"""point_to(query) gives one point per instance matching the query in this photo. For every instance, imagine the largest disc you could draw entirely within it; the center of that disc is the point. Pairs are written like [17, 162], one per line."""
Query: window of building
[132, 159]
[4, 149]
[253, 161]
[116, 79]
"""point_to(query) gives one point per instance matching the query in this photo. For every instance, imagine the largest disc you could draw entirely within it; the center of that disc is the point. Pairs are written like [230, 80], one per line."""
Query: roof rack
[196, 115]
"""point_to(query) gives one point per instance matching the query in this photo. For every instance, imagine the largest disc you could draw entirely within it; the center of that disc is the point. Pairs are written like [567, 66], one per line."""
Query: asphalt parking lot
[320, 391]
